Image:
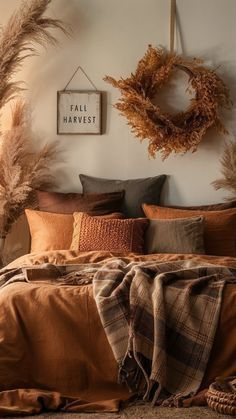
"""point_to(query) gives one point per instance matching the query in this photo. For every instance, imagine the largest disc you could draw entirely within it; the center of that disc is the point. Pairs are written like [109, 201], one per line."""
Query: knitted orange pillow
[93, 233]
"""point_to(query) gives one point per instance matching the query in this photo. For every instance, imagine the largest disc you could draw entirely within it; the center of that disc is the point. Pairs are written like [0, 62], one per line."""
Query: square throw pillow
[67, 203]
[219, 226]
[51, 231]
[93, 233]
[137, 191]
[183, 235]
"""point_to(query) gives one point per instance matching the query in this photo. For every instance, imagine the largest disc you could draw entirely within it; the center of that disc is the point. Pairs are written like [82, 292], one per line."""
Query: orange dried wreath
[171, 133]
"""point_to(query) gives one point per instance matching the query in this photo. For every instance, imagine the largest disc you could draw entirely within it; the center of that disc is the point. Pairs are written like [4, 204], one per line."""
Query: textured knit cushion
[137, 191]
[93, 233]
[183, 235]
[67, 203]
[51, 231]
[219, 226]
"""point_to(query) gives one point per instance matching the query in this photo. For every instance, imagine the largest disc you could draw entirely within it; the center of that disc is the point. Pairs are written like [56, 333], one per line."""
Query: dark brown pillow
[209, 207]
[68, 203]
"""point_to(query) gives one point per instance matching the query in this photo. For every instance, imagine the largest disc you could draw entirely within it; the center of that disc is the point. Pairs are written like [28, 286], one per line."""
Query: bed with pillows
[119, 298]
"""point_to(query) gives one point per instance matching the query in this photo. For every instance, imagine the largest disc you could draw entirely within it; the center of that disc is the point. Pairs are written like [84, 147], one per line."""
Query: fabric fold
[160, 320]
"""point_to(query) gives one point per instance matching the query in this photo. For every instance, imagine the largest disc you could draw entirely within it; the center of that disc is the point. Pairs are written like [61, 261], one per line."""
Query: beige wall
[109, 37]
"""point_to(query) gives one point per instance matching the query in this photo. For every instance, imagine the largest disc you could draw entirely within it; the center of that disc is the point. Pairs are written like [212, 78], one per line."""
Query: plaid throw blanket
[160, 320]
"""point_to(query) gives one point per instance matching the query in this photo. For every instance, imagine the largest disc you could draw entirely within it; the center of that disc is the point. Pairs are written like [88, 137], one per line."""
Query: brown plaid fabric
[160, 320]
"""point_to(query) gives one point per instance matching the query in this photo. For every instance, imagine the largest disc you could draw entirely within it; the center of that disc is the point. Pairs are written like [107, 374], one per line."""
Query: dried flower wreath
[171, 133]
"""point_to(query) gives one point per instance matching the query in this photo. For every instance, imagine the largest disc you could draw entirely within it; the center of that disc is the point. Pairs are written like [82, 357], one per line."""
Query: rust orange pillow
[93, 233]
[51, 231]
[210, 207]
[219, 226]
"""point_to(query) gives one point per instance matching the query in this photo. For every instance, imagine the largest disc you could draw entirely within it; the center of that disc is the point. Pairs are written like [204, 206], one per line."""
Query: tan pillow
[68, 203]
[183, 235]
[219, 226]
[93, 233]
[51, 231]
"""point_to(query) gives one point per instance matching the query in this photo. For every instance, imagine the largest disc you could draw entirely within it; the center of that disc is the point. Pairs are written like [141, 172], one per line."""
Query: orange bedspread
[54, 353]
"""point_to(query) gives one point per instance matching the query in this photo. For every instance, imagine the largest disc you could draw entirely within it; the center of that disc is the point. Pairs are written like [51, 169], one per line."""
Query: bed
[137, 309]
[54, 352]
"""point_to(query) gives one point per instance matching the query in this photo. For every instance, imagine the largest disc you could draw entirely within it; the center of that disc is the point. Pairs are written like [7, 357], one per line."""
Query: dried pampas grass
[25, 27]
[23, 170]
[171, 133]
[228, 170]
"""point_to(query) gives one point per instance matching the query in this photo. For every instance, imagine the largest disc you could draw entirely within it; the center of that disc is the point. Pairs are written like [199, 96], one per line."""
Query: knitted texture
[93, 233]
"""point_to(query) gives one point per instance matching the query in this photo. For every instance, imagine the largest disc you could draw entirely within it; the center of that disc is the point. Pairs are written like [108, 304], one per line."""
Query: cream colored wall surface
[109, 37]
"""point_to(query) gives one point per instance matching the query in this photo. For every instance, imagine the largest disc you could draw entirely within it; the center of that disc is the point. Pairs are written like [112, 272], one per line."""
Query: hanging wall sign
[78, 112]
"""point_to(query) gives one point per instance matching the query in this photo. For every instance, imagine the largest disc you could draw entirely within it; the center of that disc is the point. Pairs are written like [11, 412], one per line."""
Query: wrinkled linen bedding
[54, 351]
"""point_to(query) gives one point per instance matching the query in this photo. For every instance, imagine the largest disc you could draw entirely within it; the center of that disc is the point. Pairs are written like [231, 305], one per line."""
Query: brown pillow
[183, 235]
[93, 233]
[219, 230]
[209, 207]
[68, 203]
[51, 231]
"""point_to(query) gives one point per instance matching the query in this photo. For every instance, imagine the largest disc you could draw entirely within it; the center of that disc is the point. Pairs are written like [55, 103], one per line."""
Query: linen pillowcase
[137, 191]
[51, 231]
[68, 203]
[183, 235]
[219, 226]
[210, 207]
[93, 233]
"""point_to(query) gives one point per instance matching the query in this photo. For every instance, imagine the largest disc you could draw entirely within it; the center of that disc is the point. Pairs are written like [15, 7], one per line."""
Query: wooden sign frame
[79, 112]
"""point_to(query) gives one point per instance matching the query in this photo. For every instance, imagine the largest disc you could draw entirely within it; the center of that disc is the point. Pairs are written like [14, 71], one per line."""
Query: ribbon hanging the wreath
[167, 133]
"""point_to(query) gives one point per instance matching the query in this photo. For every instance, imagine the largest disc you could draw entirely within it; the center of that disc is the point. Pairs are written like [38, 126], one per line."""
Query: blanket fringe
[131, 371]
[133, 374]
[156, 394]
[148, 384]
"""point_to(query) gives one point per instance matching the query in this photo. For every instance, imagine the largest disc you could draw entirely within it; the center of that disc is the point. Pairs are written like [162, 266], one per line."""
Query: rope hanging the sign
[85, 74]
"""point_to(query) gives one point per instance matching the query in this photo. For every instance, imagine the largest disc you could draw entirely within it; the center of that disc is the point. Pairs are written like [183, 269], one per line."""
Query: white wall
[109, 37]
